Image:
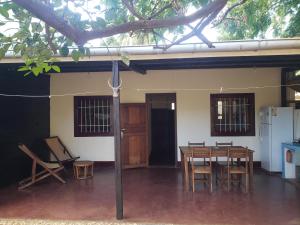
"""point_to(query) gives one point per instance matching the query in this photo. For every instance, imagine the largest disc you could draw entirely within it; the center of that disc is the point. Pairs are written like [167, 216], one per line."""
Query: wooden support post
[117, 135]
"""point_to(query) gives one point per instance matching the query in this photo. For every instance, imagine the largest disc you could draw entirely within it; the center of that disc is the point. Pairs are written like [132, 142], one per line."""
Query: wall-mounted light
[220, 111]
[173, 105]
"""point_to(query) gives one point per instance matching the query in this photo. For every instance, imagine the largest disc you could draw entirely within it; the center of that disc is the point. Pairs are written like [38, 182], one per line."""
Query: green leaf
[3, 50]
[100, 23]
[4, 12]
[28, 61]
[87, 52]
[24, 68]
[57, 3]
[26, 74]
[64, 51]
[18, 48]
[56, 68]
[75, 55]
[37, 70]
[125, 59]
[81, 50]
[47, 68]
[36, 27]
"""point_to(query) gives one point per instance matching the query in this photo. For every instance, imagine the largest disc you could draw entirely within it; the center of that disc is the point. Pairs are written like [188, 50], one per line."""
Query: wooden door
[134, 142]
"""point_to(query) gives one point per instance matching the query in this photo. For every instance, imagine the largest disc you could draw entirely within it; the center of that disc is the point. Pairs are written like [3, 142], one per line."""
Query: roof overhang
[234, 54]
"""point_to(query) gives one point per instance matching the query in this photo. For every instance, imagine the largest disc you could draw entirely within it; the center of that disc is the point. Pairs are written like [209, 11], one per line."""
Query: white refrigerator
[276, 126]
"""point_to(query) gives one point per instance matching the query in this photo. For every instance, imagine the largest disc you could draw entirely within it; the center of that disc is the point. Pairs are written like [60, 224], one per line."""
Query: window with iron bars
[93, 116]
[232, 114]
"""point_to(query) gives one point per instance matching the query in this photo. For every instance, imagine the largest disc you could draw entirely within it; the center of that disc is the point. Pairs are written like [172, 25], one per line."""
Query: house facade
[193, 72]
[192, 102]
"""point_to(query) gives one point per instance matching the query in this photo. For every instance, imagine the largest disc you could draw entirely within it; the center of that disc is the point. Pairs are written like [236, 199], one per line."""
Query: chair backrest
[58, 149]
[201, 152]
[224, 144]
[196, 144]
[28, 152]
[240, 153]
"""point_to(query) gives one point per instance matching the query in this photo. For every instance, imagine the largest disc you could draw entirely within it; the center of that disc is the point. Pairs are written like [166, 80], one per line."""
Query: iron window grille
[232, 114]
[93, 116]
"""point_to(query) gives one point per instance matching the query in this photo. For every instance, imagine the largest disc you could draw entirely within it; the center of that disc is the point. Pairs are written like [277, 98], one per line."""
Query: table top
[216, 150]
[83, 163]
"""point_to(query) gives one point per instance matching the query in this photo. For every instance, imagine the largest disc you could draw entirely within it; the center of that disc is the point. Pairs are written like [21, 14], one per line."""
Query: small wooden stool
[83, 169]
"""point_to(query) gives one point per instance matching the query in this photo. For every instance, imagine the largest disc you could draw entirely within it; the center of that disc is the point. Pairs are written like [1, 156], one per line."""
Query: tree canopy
[262, 18]
[38, 30]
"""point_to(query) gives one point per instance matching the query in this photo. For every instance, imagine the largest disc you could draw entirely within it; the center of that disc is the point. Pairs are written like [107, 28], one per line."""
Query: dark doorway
[162, 126]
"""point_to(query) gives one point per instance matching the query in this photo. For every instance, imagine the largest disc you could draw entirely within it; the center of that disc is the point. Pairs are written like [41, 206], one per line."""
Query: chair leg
[222, 176]
[193, 178]
[228, 182]
[216, 170]
[210, 178]
[247, 183]
[33, 171]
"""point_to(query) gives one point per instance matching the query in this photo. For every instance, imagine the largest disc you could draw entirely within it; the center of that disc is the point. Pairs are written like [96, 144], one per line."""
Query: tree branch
[160, 11]
[132, 10]
[228, 11]
[161, 36]
[197, 31]
[202, 37]
[50, 39]
[152, 24]
[48, 15]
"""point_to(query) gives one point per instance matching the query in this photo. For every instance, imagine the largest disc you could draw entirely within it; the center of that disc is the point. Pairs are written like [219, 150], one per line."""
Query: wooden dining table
[220, 151]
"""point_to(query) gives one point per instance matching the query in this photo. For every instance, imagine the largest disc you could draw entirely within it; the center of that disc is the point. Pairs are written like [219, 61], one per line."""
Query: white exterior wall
[193, 107]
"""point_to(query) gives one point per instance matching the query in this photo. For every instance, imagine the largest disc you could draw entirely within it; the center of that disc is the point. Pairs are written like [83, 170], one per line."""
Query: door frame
[147, 134]
[172, 97]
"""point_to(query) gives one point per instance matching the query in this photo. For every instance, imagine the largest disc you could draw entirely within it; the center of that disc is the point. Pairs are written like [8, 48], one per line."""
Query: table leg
[74, 172]
[85, 171]
[182, 167]
[186, 172]
[251, 169]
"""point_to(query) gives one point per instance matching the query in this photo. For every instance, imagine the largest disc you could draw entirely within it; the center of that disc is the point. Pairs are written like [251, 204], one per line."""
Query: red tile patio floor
[154, 195]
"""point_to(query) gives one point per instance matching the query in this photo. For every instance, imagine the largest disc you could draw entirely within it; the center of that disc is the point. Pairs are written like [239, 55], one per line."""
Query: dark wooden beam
[134, 67]
[117, 137]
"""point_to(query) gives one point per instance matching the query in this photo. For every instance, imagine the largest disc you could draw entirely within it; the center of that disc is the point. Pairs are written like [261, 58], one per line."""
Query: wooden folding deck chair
[59, 150]
[50, 169]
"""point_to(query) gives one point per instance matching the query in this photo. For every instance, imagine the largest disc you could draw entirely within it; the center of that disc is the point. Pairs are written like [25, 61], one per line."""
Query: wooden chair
[206, 169]
[219, 165]
[59, 150]
[50, 169]
[196, 144]
[241, 158]
[224, 144]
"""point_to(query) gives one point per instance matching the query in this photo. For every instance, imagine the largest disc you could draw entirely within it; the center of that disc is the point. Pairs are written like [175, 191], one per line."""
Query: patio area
[154, 195]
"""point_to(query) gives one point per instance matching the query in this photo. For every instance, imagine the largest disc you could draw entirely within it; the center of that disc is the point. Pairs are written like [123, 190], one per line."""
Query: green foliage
[258, 18]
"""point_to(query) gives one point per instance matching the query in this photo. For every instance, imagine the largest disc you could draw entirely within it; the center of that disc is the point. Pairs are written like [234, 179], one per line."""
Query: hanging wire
[221, 90]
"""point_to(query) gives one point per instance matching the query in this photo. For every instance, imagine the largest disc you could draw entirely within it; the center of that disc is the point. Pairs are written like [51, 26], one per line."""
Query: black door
[162, 137]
